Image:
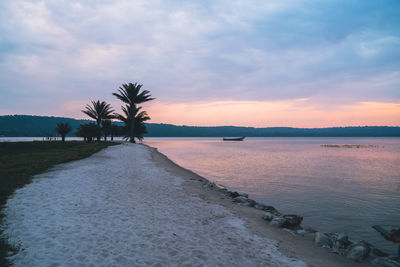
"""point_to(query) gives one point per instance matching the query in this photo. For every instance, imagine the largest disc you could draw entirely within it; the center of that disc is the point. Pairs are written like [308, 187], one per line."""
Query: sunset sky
[217, 62]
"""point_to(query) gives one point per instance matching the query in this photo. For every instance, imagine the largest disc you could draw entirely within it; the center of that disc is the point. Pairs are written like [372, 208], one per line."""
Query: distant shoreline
[26, 125]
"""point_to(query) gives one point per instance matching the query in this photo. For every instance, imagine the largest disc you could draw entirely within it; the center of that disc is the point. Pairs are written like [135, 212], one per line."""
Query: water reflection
[334, 188]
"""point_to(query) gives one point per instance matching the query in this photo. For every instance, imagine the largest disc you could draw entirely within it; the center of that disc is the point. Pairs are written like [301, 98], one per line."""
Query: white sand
[118, 208]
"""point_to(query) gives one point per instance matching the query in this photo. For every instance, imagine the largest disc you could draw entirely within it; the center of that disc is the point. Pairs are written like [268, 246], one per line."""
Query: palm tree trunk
[99, 135]
[132, 131]
[63, 138]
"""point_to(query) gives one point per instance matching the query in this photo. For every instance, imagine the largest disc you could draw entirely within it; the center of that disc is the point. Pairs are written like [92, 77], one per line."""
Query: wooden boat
[233, 138]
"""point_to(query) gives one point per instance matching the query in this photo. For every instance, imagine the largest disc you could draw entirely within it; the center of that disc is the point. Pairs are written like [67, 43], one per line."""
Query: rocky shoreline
[338, 243]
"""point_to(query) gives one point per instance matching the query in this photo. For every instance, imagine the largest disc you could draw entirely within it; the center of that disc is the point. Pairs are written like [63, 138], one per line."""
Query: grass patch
[19, 161]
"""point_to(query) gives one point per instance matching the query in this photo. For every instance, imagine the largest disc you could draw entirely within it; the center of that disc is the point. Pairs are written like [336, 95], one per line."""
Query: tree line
[132, 116]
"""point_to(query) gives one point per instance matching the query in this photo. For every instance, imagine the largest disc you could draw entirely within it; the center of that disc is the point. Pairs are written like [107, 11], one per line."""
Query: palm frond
[99, 110]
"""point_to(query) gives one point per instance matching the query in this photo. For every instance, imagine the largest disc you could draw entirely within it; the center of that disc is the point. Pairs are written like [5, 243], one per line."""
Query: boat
[233, 138]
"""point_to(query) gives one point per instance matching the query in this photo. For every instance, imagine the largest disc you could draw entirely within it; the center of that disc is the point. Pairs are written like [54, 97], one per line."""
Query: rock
[268, 216]
[303, 232]
[240, 200]
[387, 261]
[251, 202]
[340, 240]
[260, 206]
[233, 194]
[244, 201]
[223, 190]
[243, 195]
[292, 220]
[210, 186]
[342, 237]
[277, 221]
[358, 252]
[267, 208]
[322, 240]
[273, 210]
[287, 221]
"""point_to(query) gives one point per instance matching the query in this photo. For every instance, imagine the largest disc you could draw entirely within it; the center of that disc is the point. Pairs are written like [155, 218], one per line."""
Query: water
[335, 189]
[29, 139]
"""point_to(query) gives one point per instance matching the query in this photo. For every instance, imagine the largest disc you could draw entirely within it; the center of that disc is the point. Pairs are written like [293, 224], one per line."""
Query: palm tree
[63, 129]
[140, 127]
[99, 111]
[106, 127]
[130, 94]
[133, 116]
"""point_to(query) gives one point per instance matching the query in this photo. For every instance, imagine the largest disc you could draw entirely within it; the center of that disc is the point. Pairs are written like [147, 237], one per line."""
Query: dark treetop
[25, 125]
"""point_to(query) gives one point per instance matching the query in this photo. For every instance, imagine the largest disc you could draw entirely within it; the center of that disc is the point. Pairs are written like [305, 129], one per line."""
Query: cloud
[67, 51]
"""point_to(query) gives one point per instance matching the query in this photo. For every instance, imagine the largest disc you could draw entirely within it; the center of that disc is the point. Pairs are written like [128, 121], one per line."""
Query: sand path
[119, 208]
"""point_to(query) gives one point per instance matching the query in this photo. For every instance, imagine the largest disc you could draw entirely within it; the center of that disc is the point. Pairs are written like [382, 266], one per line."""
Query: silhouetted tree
[88, 131]
[116, 130]
[131, 95]
[106, 127]
[63, 129]
[99, 111]
[80, 132]
[139, 118]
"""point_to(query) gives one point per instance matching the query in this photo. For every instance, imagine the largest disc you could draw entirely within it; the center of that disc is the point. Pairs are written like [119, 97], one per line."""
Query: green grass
[20, 161]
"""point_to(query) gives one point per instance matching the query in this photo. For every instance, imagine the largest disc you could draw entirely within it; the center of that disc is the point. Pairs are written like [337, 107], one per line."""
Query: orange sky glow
[302, 113]
[293, 113]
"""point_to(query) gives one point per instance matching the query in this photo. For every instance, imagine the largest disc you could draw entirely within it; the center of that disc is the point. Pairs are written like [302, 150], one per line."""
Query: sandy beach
[129, 205]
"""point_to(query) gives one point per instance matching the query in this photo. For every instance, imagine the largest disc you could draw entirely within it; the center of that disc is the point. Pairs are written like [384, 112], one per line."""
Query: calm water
[335, 189]
[29, 139]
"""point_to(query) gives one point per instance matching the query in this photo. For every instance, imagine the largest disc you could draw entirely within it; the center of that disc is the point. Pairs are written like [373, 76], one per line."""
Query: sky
[219, 62]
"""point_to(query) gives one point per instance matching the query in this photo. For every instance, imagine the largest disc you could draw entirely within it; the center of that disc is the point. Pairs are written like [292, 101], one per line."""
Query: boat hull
[233, 139]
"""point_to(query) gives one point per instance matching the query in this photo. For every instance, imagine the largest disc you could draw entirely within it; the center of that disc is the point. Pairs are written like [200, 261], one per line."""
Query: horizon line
[183, 125]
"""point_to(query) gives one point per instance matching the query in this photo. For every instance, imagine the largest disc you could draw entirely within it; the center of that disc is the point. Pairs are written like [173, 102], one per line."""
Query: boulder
[260, 206]
[358, 252]
[278, 221]
[303, 232]
[267, 208]
[240, 200]
[268, 216]
[243, 194]
[251, 202]
[210, 186]
[322, 240]
[233, 194]
[287, 221]
[292, 220]
[341, 240]
[244, 201]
